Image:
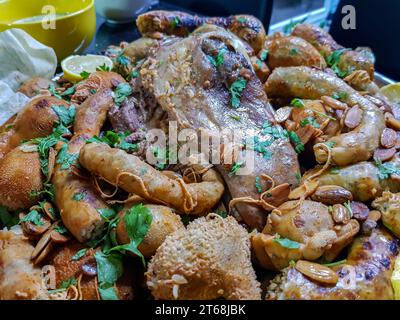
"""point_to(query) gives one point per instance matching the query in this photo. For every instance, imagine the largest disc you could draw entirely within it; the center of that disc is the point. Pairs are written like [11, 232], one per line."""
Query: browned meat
[19, 279]
[196, 94]
[293, 51]
[67, 268]
[349, 61]
[364, 276]
[246, 27]
[126, 117]
[33, 86]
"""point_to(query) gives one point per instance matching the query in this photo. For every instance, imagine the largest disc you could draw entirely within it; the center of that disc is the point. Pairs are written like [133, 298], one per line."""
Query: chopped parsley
[311, 121]
[34, 217]
[264, 55]
[122, 91]
[236, 90]
[68, 92]
[84, 75]
[65, 285]
[235, 117]
[330, 144]
[79, 196]
[298, 146]
[293, 52]
[241, 19]
[292, 24]
[340, 96]
[115, 140]
[65, 159]
[334, 170]
[261, 146]
[109, 269]
[287, 243]
[123, 60]
[103, 67]
[53, 91]
[235, 167]
[79, 255]
[218, 59]
[48, 190]
[334, 264]
[137, 223]
[258, 185]
[176, 22]
[132, 75]
[333, 61]
[297, 103]
[61, 229]
[385, 170]
[221, 213]
[298, 176]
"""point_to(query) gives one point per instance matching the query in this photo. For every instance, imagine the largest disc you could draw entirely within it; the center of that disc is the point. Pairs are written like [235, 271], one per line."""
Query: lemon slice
[73, 66]
[392, 92]
[396, 279]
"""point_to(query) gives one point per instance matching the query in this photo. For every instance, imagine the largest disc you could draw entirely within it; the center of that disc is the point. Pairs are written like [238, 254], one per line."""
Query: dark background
[377, 23]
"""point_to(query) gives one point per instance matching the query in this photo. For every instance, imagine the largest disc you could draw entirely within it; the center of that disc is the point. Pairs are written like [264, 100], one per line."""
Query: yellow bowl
[68, 26]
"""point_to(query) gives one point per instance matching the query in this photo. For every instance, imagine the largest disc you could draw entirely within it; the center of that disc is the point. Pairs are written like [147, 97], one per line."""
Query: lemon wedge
[396, 279]
[75, 66]
[392, 92]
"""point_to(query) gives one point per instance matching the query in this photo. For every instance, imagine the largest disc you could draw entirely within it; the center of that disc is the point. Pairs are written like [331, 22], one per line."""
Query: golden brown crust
[208, 260]
[34, 86]
[20, 175]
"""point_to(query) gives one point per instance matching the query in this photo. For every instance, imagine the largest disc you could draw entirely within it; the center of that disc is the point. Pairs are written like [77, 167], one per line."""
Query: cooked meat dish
[212, 161]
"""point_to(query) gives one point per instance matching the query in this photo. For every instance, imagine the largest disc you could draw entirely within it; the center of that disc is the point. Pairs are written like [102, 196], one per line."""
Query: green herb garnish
[79, 255]
[287, 243]
[309, 121]
[235, 167]
[34, 217]
[65, 159]
[122, 91]
[236, 90]
[79, 196]
[103, 67]
[297, 103]
[84, 75]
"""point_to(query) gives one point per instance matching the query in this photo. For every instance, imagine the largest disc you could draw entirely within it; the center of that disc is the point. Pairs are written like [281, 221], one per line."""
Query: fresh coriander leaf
[235, 167]
[293, 52]
[176, 22]
[65, 159]
[334, 170]
[333, 62]
[79, 255]
[93, 91]
[48, 190]
[385, 170]
[221, 213]
[297, 103]
[79, 196]
[127, 146]
[287, 243]
[298, 176]
[34, 217]
[292, 24]
[108, 293]
[241, 19]
[340, 96]
[103, 67]
[324, 115]
[61, 229]
[68, 92]
[122, 91]
[69, 282]
[137, 223]
[258, 185]
[236, 90]
[107, 213]
[53, 91]
[298, 146]
[330, 144]
[311, 121]
[84, 75]
[7, 219]
[109, 267]
[123, 60]
[132, 75]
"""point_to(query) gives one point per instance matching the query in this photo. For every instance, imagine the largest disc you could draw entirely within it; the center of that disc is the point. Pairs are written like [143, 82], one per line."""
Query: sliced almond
[52, 162]
[332, 195]
[360, 210]
[44, 253]
[57, 237]
[317, 272]
[374, 215]
[353, 117]
[43, 242]
[334, 103]
[283, 114]
[388, 138]
[383, 155]
[392, 122]
[340, 214]
[49, 210]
